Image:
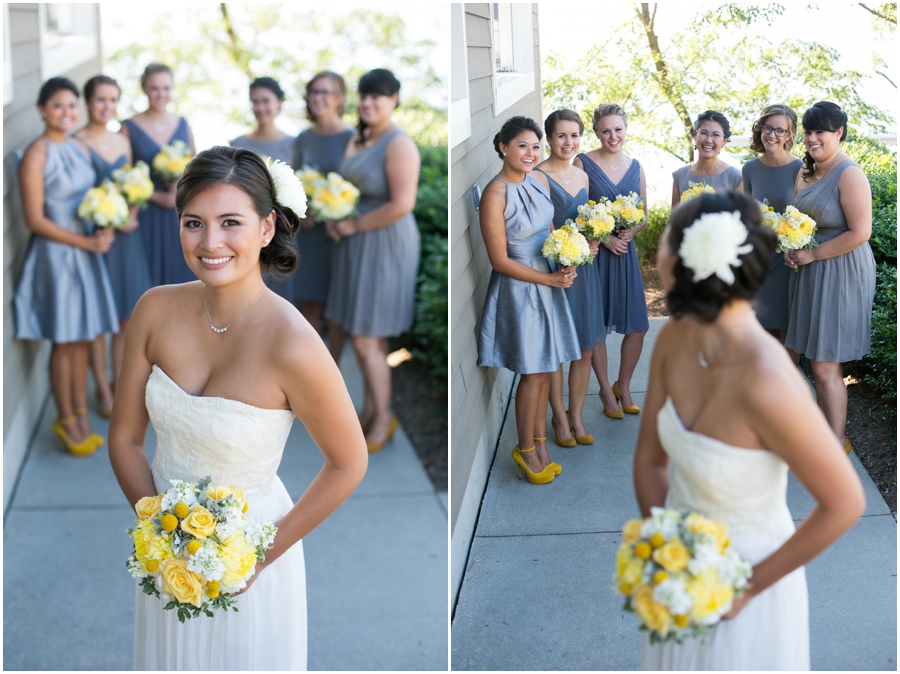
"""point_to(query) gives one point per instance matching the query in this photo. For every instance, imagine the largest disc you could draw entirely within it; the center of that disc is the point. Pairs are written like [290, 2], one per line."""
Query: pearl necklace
[221, 330]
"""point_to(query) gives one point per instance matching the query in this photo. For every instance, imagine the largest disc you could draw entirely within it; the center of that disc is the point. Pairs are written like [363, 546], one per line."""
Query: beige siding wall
[479, 396]
[25, 379]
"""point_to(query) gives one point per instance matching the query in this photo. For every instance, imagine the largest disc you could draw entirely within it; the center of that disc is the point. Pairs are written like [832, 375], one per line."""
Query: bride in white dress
[221, 366]
[728, 408]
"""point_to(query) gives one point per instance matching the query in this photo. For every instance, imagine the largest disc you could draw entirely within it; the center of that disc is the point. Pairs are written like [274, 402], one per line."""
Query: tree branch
[238, 53]
[879, 15]
[878, 72]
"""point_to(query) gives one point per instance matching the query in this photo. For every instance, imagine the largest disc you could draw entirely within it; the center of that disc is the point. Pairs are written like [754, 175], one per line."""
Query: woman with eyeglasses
[710, 133]
[771, 178]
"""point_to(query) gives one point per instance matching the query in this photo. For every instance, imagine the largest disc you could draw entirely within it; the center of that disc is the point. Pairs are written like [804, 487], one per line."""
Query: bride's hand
[737, 605]
[259, 567]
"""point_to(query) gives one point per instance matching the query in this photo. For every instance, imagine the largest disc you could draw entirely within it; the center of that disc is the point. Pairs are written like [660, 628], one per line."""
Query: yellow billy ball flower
[246, 507]
[656, 540]
[659, 577]
[642, 550]
[152, 565]
[193, 546]
[169, 522]
[212, 589]
[681, 621]
[626, 588]
[181, 510]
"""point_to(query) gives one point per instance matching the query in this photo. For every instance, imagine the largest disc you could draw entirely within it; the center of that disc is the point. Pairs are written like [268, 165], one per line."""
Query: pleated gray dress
[373, 279]
[585, 295]
[63, 292]
[729, 179]
[313, 276]
[526, 327]
[831, 300]
[624, 303]
[281, 150]
[775, 183]
[126, 260]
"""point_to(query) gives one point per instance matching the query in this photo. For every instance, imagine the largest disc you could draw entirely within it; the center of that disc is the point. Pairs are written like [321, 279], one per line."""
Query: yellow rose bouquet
[309, 178]
[104, 206]
[333, 198]
[695, 190]
[171, 161]
[134, 184]
[594, 221]
[194, 546]
[795, 230]
[769, 216]
[567, 247]
[627, 211]
[678, 573]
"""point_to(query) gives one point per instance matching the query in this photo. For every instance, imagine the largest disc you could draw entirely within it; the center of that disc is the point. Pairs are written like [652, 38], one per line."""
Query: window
[460, 111]
[512, 44]
[68, 37]
[7, 59]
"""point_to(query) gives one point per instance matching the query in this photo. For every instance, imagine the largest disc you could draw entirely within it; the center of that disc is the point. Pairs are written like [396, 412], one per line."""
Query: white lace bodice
[745, 488]
[233, 442]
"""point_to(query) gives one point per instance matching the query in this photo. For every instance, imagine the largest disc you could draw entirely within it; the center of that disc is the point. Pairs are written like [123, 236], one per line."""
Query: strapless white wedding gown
[234, 443]
[746, 489]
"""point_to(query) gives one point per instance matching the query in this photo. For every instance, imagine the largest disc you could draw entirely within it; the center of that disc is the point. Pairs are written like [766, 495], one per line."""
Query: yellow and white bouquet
[333, 198]
[769, 216]
[795, 230]
[628, 211]
[695, 190]
[104, 206]
[171, 160]
[567, 247]
[134, 183]
[309, 178]
[194, 547]
[594, 221]
[678, 573]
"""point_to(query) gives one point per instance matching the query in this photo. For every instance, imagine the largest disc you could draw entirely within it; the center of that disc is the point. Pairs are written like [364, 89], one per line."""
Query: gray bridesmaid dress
[831, 300]
[281, 150]
[373, 280]
[729, 179]
[775, 183]
[313, 276]
[585, 295]
[63, 292]
[526, 327]
[126, 260]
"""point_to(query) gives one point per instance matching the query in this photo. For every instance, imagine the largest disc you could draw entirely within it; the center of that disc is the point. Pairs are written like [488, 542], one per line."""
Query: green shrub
[430, 329]
[882, 362]
[431, 199]
[647, 242]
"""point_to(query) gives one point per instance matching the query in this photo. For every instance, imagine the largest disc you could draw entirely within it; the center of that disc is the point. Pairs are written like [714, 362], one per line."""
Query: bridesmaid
[831, 297]
[373, 284]
[526, 324]
[772, 176]
[320, 147]
[710, 133]
[125, 261]
[625, 308]
[148, 131]
[569, 190]
[63, 292]
[268, 140]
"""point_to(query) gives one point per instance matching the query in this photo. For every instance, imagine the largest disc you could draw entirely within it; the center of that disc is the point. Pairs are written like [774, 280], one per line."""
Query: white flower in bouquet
[567, 247]
[104, 206]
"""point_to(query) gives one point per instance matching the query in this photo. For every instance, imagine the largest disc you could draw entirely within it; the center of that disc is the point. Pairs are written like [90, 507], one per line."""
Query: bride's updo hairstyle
[706, 298]
[511, 128]
[823, 116]
[244, 169]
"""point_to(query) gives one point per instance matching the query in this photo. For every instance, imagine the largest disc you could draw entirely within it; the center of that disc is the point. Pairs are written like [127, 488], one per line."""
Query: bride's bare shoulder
[292, 340]
[163, 301]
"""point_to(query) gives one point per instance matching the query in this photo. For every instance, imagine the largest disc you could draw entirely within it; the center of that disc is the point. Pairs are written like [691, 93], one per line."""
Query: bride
[221, 366]
[729, 409]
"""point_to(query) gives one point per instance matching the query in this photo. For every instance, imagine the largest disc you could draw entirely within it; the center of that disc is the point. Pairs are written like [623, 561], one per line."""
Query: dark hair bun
[511, 128]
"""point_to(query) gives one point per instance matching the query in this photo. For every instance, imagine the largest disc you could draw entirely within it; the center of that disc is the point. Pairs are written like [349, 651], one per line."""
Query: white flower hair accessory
[711, 245]
[288, 188]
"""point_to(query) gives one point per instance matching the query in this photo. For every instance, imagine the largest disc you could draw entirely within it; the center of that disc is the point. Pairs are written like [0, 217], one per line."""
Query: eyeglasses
[779, 132]
[715, 135]
[324, 93]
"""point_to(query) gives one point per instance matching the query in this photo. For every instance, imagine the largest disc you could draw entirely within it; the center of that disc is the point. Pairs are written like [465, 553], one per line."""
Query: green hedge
[882, 362]
[647, 242]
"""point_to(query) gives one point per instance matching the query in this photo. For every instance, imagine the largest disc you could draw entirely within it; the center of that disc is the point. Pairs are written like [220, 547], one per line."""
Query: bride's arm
[651, 463]
[128, 426]
[792, 426]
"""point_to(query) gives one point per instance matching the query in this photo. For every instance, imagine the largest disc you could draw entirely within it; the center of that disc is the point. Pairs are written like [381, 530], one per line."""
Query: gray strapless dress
[526, 327]
[313, 276]
[63, 292]
[775, 183]
[729, 179]
[585, 296]
[282, 150]
[624, 303]
[831, 300]
[126, 260]
[373, 281]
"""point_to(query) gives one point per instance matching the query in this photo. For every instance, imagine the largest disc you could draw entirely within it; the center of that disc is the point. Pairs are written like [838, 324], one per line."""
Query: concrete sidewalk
[376, 569]
[536, 593]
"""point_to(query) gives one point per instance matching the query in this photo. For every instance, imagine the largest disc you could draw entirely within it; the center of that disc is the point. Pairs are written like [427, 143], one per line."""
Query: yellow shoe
[848, 447]
[582, 439]
[543, 477]
[84, 448]
[555, 467]
[378, 446]
[628, 409]
[97, 440]
[560, 441]
[618, 414]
